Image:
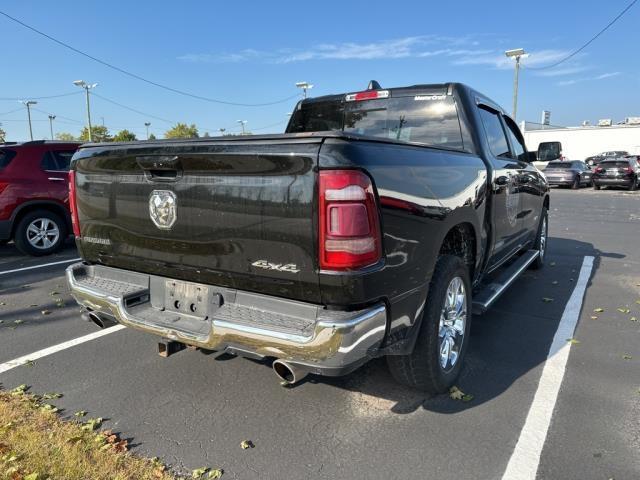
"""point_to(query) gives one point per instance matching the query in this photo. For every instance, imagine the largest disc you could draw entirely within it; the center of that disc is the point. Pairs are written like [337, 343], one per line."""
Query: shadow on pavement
[508, 341]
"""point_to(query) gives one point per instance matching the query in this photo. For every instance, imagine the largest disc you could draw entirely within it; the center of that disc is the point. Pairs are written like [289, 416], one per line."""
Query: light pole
[147, 125]
[517, 53]
[304, 86]
[51, 119]
[28, 103]
[222, 130]
[242, 124]
[87, 87]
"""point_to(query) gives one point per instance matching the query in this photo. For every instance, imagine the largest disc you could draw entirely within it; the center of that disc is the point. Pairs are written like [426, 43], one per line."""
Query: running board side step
[489, 293]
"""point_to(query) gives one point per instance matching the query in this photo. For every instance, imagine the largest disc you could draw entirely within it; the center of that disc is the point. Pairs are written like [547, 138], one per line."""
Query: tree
[3, 136]
[100, 133]
[152, 136]
[182, 130]
[65, 137]
[124, 136]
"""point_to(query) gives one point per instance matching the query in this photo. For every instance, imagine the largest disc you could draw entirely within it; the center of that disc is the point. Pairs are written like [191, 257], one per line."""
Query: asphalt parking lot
[194, 409]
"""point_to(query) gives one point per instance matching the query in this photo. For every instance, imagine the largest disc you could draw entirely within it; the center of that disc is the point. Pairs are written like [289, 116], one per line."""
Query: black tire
[576, 183]
[21, 236]
[596, 186]
[542, 242]
[634, 185]
[421, 369]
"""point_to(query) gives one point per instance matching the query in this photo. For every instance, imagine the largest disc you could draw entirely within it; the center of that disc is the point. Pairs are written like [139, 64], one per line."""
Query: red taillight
[628, 170]
[599, 169]
[73, 206]
[367, 95]
[349, 228]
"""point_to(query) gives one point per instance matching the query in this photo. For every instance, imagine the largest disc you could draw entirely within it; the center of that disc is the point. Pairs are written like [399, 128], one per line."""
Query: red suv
[34, 195]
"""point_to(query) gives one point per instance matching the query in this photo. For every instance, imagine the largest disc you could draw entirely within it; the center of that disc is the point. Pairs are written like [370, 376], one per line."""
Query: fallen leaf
[19, 390]
[573, 341]
[80, 413]
[555, 282]
[624, 310]
[2, 303]
[598, 310]
[638, 302]
[18, 322]
[29, 363]
[456, 394]
[593, 317]
[31, 476]
[547, 299]
[633, 319]
[45, 312]
[91, 424]
[626, 357]
[553, 264]
[48, 408]
[49, 396]
[216, 473]
[246, 444]
[198, 472]
[54, 293]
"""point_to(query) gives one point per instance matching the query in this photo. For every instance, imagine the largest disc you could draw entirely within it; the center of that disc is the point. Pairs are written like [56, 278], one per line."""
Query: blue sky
[254, 52]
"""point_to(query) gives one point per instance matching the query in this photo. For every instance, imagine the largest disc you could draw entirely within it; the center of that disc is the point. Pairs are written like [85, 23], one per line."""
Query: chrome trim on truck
[328, 343]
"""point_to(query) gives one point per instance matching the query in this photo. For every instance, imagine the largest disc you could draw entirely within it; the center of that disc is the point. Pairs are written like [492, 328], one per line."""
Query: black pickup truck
[373, 227]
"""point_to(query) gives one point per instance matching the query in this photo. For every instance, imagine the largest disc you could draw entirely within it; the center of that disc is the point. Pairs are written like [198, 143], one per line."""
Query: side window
[63, 159]
[57, 160]
[495, 133]
[48, 162]
[516, 143]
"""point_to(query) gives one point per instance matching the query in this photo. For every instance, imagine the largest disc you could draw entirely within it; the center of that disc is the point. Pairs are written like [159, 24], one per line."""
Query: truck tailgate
[232, 213]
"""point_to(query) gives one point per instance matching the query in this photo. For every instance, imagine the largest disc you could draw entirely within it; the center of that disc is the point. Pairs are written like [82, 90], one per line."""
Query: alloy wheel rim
[42, 233]
[453, 320]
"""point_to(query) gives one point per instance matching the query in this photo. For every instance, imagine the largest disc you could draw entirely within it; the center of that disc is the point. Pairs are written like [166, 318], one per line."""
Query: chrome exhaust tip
[101, 320]
[288, 373]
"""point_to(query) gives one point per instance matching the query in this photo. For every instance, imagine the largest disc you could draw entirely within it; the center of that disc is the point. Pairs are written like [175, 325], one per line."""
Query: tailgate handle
[161, 168]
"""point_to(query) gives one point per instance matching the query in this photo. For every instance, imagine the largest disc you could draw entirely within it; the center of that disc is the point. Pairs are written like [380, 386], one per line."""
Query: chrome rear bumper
[322, 341]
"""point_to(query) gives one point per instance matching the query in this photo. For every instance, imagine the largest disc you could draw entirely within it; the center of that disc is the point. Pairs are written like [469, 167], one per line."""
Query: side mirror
[548, 151]
[532, 157]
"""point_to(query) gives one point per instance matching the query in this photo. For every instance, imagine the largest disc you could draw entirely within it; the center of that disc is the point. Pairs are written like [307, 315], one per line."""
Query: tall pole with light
[147, 125]
[517, 53]
[51, 119]
[222, 130]
[242, 124]
[28, 103]
[87, 87]
[304, 86]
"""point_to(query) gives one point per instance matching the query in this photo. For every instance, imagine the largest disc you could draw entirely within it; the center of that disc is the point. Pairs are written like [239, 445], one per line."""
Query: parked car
[596, 159]
[572, 174]
[374, 227]
[34, 195]
[622, 172]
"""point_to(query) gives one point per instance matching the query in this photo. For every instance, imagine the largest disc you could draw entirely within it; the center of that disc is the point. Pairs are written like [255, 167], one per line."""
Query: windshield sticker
[419, 98]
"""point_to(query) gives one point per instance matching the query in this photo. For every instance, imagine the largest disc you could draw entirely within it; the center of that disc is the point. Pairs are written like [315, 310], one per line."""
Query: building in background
[581, 142]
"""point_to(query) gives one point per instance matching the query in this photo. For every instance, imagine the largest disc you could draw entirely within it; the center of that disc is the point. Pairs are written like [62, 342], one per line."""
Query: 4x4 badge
[279, 267]
[163, 208]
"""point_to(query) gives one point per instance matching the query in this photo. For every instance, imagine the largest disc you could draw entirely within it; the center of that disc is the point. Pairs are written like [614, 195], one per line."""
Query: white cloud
[603, 76]
[422, 46]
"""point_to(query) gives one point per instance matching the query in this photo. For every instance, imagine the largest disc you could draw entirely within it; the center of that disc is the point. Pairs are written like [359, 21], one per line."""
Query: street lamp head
[516, 52]
[52, 117]
[79, 83]
[305, 85]
[29, 102]
[147, 124]
[242, 121]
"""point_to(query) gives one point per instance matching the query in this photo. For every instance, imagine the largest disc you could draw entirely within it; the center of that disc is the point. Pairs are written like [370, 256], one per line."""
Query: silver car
[571, 173]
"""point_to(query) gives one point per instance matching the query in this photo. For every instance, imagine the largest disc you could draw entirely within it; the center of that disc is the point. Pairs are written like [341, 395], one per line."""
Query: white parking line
[524, 462]
[16, 362]
[40, 266]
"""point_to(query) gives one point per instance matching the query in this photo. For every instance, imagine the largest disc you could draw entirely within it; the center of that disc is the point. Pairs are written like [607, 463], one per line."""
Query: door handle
[57, 179]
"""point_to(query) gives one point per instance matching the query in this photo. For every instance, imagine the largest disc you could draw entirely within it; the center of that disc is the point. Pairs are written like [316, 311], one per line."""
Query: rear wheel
[436, 361]
[40, 232]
